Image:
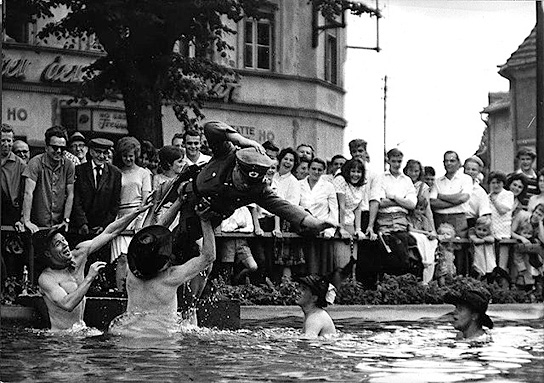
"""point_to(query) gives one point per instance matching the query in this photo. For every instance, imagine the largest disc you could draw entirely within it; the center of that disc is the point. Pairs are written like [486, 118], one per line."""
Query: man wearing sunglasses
[49, 185]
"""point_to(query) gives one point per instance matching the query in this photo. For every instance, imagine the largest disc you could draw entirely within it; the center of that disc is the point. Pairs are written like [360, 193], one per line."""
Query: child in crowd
[502, 206]
[445, 257]
[483, 247]
[236, 250]
[539, 198]
[421, 228]
[527, 257]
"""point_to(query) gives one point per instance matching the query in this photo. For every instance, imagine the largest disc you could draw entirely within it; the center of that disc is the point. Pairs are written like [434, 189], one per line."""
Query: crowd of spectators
[463, 222]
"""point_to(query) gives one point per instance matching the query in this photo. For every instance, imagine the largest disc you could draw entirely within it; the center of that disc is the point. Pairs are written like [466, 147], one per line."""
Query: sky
[441, 60]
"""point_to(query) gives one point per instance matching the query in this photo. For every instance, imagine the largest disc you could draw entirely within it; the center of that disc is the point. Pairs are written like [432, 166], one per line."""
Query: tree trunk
[144, 114]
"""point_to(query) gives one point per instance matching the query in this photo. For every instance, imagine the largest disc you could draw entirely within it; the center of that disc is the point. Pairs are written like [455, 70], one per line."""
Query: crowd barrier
[29, 246]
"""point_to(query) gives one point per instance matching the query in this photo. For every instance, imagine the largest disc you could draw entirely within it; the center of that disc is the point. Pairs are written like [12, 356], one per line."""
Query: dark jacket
[96, 206]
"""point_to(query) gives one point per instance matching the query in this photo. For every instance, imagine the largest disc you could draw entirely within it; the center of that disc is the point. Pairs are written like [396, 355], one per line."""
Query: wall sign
[14, 68]
[57, 72]
[259, 135]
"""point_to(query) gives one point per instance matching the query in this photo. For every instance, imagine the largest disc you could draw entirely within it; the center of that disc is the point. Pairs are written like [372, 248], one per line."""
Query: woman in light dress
[135, 189]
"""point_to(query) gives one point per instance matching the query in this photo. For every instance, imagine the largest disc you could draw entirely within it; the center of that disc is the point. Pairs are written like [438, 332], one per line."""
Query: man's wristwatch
[67, 220]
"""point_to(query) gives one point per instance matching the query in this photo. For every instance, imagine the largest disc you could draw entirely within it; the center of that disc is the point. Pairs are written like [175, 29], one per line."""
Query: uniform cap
[149, 251]
[253, 164]
[76, 137]
[100, 143]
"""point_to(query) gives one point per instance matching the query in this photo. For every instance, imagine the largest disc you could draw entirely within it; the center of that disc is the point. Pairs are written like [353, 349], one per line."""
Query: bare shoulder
[47, 278]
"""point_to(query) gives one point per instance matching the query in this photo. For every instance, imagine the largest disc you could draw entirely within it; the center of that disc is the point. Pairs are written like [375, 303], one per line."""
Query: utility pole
[539, 84]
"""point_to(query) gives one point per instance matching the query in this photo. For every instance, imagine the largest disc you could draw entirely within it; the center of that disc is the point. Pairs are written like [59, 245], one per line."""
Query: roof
[497, 101]
[523, 56]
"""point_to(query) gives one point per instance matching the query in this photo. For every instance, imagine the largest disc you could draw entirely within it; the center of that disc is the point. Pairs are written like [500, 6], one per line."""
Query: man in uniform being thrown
[63, 283]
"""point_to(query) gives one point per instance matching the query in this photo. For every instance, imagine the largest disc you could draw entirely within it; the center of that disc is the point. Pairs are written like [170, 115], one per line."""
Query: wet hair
[497, 175]
[351, 164]
[167, 155]
[354, 144]
[429, 170]
[125, 145]
[55, 131]
[518, 177]
[394, 153]
[286, 151]
[319, 161]
[411, 164]
[7, 128]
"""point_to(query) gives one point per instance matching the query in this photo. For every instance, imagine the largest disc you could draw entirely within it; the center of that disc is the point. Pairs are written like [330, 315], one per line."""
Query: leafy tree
[138, 37]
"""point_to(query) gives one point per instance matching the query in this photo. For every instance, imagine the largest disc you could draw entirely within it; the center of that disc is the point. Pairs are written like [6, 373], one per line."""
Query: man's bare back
[153, 294]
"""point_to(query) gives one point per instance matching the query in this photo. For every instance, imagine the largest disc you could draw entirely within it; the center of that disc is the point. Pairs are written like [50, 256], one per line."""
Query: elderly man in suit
[97, 190]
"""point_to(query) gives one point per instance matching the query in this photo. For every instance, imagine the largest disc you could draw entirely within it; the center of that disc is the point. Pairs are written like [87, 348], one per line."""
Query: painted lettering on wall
[16, 114]
[57, 72]
[259, 135]
[110, 121]
[14, 68]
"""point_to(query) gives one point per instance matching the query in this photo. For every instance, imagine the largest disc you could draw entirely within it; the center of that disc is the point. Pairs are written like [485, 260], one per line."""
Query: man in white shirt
[192, 139]
[397, 196]
[449, 202]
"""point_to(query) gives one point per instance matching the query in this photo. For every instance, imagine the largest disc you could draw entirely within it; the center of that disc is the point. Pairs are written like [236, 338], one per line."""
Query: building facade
[512, 117]
[290, 92]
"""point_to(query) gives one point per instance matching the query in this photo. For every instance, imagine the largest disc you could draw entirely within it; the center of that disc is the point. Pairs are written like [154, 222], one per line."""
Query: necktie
[98, 174]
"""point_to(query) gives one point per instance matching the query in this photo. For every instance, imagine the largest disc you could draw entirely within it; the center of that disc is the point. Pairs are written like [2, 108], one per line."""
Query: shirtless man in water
[153, 281]
[63, 283]
[313, 290]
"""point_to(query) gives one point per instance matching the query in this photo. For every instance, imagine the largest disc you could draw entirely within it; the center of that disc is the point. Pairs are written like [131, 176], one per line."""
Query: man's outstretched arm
[113, 230]
[191, 268]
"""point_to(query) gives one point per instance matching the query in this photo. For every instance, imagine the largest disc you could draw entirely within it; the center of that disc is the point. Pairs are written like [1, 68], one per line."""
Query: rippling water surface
[273, 352]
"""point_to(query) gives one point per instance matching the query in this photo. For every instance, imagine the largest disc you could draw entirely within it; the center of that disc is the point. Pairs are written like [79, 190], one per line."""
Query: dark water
[272, 351]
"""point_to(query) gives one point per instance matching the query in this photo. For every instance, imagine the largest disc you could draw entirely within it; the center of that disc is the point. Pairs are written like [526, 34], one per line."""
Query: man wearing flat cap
[231, 179]
[97, 190]
[470, 316]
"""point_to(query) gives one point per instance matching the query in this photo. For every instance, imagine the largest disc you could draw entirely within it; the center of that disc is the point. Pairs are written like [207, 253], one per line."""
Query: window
[331, 57]
[19, 25]
[258, 44]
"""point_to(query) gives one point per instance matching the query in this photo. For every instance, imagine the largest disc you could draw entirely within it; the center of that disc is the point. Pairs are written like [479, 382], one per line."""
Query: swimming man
[313, 294]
